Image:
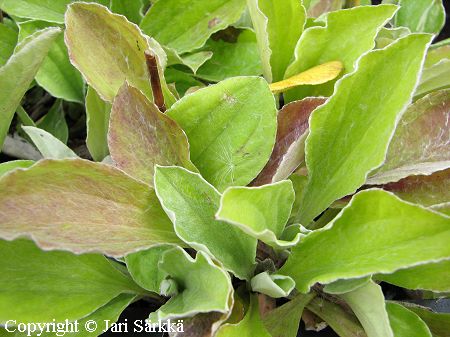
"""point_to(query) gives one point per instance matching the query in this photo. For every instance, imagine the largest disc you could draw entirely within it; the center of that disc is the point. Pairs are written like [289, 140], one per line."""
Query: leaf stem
[152, 66]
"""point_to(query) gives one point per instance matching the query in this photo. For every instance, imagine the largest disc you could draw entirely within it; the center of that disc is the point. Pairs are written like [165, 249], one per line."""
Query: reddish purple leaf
[141, 136]
[421, 143]
[289, 150]
[432, 190]
[81, 206]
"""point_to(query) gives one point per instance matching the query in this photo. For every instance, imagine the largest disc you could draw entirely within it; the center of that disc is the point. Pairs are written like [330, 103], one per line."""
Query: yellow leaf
[315, 75]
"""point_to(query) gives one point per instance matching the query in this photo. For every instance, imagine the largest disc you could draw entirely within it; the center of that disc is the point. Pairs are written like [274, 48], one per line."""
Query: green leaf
[47, 10]
[273, 285]
[23, 116]
[344, 286]
[431, 276]
[340, 320]
[104, 317]
[434, 78]
[285, 319]
[41, 286]
[289, 153]
[191, 204]
[56, 75]
[261, 212]
[182, 81]
[250, 326]
[140, 136]
[17, 74]
[114, 214]
[420, 142]
[426, 16]
[184, 25]
[231, 59]
[278, 26]
[351, 127]
[382, 234]
[97, 122]
[432, 190]
[406, 323]
[14, 164]
[299, 183]
[367, 302]
[437, 54]
[192, 61]
[348, 34]
[388, 35]
[54, 122]
[439, 323]
[143, 267]
[231, 129]
[204, 287]
[131, 9]
[49, 146]
[107, 49]
[8, 41]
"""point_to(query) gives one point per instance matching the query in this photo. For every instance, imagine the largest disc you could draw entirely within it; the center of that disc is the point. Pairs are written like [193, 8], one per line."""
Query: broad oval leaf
[203, 286]
[81, 206]
[261, 212]
[191, 204]
[141, 136]
[185, 25]
[381, 234]
[16, 75]
[289, 150]
[405, 323]
[107, 49]
[40, 286]
[230, 59]
[231, 129]
[357, 130]
[421, 142]
[347, 35]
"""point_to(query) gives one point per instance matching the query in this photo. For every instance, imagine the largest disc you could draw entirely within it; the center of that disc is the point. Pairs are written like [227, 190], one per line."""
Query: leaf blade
[376, 224]
[118, 216]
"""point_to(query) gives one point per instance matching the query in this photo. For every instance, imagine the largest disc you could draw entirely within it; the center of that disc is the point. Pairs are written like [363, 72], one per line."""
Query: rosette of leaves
[244, 152]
